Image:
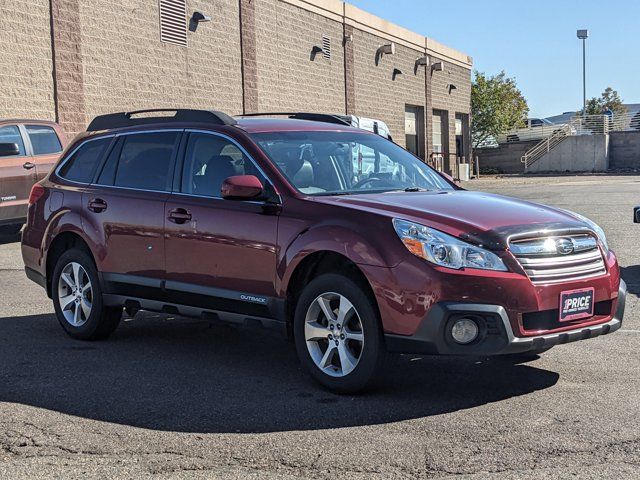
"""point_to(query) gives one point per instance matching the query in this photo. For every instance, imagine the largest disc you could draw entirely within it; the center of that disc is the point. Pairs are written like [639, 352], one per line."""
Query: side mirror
[241, 187]
[636, 215]
[9, 149]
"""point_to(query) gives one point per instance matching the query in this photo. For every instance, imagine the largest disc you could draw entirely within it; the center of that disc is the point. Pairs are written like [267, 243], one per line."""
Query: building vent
[326, 47]
[173, 22]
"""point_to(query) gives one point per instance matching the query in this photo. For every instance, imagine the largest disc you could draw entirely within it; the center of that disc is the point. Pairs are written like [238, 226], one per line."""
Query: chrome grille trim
[544, 265]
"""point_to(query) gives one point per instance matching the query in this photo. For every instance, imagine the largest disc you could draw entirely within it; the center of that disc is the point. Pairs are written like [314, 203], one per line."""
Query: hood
[481, 218]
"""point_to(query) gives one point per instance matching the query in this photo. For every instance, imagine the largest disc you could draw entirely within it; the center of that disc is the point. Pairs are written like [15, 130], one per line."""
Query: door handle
[179, 216]
[97, 205]
[28, 165]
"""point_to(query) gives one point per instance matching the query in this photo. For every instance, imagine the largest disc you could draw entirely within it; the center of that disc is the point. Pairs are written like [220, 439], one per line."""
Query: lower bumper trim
[431, 337]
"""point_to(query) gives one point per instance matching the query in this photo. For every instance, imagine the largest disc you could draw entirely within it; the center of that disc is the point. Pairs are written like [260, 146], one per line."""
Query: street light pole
[583, 35]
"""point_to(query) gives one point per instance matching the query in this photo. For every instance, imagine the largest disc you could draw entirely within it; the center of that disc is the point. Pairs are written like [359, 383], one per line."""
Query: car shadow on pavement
[8, 237]
[184, 375]
[631, 275]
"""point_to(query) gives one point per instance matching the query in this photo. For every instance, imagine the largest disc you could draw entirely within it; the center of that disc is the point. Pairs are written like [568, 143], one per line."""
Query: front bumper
[496, 337]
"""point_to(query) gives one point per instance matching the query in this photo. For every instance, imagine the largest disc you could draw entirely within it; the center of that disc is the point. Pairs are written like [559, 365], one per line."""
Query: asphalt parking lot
[172, 397]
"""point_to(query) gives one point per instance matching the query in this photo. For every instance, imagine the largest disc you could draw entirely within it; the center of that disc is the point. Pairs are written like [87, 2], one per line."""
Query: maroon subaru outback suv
[333, 235]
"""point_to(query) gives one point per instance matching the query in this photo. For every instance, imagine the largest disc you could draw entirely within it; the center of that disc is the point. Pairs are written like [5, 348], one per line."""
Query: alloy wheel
[334, 335]
[75, 294]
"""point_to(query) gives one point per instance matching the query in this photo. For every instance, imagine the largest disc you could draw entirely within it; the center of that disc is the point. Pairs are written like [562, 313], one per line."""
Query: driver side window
[11, 134]
[209, 160]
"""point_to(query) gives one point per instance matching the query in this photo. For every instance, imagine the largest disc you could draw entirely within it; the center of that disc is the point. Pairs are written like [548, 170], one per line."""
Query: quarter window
[145, 161]
[209, 160]
[82, 165]
[11, 134]
[44, 140]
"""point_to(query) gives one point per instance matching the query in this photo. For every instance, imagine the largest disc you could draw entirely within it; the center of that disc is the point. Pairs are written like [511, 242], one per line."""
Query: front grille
[559, 259]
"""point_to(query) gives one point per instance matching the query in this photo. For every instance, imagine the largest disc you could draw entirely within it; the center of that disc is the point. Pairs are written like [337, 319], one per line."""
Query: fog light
[464, 331]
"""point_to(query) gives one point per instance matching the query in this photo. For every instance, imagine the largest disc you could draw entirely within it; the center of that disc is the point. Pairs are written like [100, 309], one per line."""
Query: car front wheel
[337, 334]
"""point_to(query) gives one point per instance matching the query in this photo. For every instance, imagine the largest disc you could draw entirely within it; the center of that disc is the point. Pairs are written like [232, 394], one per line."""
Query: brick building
[69, 60]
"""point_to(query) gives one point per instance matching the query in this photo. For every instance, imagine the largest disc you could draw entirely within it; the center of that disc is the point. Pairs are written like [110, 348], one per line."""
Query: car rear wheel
[337, 334]
[77, 298]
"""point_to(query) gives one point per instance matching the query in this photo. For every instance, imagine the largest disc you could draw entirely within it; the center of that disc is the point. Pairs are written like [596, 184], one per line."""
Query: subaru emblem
[564, 246]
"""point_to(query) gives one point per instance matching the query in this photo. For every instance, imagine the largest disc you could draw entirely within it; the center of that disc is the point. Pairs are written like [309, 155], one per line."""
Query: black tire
[372, 353]
[102, 320]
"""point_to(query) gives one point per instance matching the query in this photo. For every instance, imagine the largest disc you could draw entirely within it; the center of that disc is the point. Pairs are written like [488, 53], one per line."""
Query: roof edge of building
[351, 15]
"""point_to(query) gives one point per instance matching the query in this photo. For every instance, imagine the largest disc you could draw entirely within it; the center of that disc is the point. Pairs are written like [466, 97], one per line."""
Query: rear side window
[11, 134]
[44, 140]
[145, 161]
[82, 165]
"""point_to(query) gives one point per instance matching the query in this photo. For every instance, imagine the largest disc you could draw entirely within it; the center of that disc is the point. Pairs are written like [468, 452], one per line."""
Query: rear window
[145, 161]
[82, 165]
[44, 140]
[11, 134]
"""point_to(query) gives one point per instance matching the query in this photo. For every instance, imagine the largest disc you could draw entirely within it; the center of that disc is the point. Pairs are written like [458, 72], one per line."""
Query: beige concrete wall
[458, 100]
[26, 80]
[109, 57]
[451, 100]
[377, 93]
[288, 79]
[127, 67]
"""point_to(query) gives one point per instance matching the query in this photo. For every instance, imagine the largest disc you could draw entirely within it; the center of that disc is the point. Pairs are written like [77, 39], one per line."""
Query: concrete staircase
[544, 146]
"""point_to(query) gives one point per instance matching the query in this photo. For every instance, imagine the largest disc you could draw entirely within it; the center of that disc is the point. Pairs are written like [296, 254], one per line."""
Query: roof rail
[315, 117]
[129, 119]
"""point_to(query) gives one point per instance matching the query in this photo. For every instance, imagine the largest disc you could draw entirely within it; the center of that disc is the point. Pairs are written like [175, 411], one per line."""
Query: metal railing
[582, 125]
[545, 145]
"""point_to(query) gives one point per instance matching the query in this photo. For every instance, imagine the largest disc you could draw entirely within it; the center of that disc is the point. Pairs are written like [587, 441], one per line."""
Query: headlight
[444, 250]
[595, 227]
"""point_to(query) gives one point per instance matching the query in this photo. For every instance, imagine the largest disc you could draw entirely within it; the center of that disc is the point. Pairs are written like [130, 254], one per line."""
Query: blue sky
[535, 42]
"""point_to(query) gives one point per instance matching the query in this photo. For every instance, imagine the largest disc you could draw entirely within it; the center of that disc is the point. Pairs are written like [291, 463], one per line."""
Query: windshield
[340, 163]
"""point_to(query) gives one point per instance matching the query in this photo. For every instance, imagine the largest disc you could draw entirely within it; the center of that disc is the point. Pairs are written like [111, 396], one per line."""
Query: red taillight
[37, 191]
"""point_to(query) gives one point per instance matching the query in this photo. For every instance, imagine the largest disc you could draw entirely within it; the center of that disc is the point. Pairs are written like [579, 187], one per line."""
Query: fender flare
[65, 221]
[329, 238]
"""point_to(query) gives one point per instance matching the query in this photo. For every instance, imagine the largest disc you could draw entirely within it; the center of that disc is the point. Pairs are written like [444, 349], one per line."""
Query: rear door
[125, 207]
[17, 175]
[46, 147]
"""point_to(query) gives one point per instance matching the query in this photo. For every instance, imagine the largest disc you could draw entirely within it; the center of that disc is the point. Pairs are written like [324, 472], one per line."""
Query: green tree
[497, 106]
[608, 100]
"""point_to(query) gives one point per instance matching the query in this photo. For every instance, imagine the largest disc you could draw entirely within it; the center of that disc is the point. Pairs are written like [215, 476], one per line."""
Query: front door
[221, 254]
[125, 207]
[17, 175]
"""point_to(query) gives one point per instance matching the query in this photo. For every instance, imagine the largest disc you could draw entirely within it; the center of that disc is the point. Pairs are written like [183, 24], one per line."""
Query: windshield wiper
[415, 189]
